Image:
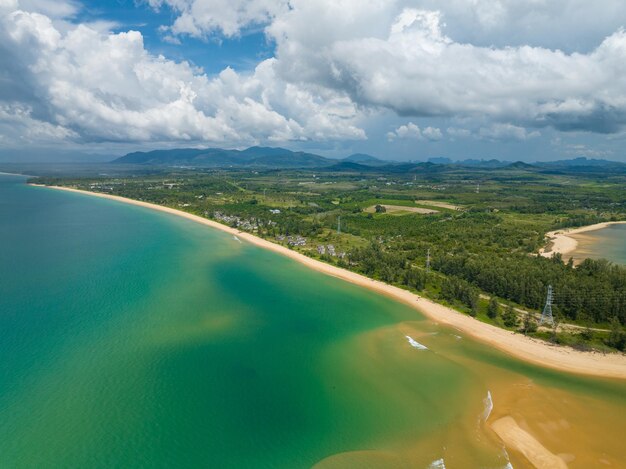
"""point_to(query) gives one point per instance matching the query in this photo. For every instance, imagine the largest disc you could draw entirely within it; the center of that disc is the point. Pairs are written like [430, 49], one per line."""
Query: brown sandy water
[583, 425]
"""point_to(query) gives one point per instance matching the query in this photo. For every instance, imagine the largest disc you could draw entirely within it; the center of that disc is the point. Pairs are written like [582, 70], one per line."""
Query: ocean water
[607, 243]
[133, 338]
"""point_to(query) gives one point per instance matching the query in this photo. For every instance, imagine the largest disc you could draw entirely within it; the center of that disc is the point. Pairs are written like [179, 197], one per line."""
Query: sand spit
[518, 439]
[517, 345]
[561, 242]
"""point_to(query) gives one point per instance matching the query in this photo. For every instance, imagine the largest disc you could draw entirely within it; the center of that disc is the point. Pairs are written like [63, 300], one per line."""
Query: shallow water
[133, 338]
[606, 243]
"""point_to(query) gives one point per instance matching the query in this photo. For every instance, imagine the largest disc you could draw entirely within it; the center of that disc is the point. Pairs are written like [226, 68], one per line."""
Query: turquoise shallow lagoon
[133, 338]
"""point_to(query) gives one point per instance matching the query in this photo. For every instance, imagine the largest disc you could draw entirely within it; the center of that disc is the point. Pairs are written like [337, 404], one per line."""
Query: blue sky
[213, 53]
[399, 79]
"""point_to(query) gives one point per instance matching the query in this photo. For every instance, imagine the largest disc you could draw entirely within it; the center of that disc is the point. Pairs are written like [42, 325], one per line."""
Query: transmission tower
[478, 187]
[428, 260]
[546, 315]
[338, 225]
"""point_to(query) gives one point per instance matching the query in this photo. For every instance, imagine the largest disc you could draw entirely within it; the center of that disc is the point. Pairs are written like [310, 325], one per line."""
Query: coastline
[561, 241]
[517, 345]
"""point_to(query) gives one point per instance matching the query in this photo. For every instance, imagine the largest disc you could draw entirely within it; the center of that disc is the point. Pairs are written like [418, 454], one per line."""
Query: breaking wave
[415, 343]
[438, 464]
[488, 401]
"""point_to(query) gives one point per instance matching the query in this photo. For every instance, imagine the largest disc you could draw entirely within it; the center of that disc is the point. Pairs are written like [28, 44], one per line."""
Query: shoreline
[519, 346]
[561, 241]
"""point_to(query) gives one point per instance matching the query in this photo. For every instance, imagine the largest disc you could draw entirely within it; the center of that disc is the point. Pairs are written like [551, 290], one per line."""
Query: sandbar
[520, 440]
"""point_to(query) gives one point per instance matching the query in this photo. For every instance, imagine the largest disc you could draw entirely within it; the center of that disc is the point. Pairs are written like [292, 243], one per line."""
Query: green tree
[529, 325]
[493, 308]
[617, 338]
[509, 317]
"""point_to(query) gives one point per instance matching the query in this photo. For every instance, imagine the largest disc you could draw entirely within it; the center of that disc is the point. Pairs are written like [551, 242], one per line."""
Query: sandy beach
[562, 242]
[517, 345]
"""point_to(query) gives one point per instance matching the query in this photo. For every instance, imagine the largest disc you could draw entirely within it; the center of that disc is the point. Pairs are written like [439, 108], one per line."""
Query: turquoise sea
[134, 338]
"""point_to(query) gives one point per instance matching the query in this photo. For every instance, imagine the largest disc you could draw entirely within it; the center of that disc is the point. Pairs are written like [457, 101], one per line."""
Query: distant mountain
[582, 165]
[218, 157]
[350, 167]
[493, 163]
[519, 165]
[364, 159]
[582, 161]
[440, 160]
[282, 158]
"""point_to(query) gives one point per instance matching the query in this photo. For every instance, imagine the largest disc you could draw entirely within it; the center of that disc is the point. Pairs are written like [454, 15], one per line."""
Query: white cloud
[203, 17]
[456, 132]
[51, 8]
[100, 86]
[489, 66]
[18, 127]
[412, 131]
[507, 132]
[432, 133]
[496, 23]
[401, 59]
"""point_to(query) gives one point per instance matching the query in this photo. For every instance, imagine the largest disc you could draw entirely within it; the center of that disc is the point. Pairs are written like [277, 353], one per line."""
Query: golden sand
[518, 439]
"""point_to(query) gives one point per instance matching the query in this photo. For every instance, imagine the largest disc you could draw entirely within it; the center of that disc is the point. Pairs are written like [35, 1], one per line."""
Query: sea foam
[438, 464]
[415, 343]
[488, 401]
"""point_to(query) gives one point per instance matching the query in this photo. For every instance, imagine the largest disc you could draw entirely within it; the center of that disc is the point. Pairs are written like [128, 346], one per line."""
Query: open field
[401, 210]
[439, 204]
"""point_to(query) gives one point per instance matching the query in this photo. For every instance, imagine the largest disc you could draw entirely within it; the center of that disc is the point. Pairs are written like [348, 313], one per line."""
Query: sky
[530, 80]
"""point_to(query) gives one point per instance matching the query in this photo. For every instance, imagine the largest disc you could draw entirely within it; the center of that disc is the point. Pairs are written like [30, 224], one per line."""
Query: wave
[415, 343]
[488, 401]
[438, 464]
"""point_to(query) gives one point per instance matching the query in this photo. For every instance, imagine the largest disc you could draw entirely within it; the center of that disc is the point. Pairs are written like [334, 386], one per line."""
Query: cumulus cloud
[496, 23]
[507, 132]
[18, 127]
[456, 132]
[412, 131]
[90, 85]
[402, 60]
[200, 18]
[510, 67]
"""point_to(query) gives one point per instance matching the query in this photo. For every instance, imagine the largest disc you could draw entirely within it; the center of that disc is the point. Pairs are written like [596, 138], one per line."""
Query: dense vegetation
[482, 230]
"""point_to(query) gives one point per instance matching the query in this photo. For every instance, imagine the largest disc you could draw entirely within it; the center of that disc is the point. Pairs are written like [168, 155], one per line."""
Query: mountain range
[282, 158]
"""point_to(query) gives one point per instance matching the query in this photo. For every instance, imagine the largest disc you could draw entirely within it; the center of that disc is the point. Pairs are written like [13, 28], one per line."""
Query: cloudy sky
[399, 79]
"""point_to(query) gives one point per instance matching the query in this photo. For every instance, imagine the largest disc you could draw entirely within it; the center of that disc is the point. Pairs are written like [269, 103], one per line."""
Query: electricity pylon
[546, 315]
